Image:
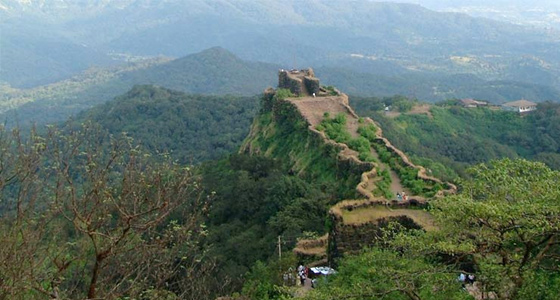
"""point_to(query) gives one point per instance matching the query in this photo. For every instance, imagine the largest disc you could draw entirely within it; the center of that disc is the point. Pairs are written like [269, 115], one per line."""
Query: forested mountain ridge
[215, 229]
[214, 71]
[158, 188]
[191, 128]
[382, 231]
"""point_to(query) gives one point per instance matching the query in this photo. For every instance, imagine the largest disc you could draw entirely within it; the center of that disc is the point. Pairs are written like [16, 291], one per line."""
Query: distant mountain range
[542, 13]
[216, 71]
[383, 37]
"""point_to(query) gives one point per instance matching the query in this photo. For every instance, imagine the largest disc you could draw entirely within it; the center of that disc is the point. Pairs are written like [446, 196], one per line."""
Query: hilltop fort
[315, 129]
[302, 83]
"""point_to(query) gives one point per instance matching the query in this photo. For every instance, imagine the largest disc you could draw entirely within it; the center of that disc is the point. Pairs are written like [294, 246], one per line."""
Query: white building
[520, 106]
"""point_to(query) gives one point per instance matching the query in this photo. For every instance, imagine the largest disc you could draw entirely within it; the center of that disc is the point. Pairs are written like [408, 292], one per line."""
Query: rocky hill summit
[314, 128]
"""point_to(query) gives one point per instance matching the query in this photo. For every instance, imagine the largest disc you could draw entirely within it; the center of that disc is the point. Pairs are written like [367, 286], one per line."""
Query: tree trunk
[94, 276]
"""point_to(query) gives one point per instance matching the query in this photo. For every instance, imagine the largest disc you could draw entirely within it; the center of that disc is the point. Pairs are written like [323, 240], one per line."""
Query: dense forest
[512, 252]
[192, 128]
[104, 218]
[255, 200]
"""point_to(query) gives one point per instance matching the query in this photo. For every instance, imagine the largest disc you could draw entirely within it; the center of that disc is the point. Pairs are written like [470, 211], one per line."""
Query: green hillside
[214, 71]
[451, 138]
[96, 209]
[193, 128]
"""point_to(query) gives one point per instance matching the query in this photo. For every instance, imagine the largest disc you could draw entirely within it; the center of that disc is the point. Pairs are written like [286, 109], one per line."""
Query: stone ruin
[301, 83]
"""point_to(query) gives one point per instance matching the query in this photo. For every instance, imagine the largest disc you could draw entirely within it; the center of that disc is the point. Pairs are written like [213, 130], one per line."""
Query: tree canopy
[88, 215]
[504, 226]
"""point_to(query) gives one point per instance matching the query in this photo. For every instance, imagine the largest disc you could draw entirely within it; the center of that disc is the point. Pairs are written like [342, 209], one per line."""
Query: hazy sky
[503, 4]
[537, 13]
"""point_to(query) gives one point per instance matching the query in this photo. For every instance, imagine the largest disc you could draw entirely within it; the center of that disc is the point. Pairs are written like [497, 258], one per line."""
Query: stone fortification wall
[267, 102]
[352, 238]
[294, 84]
[299, 82]
[422, 173]
[312, 110]
[312, 249]
[286, 130]
[312, 85]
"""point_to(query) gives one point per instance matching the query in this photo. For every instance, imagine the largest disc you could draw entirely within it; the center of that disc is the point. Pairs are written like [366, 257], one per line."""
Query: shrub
[284, 93]
[368, 132]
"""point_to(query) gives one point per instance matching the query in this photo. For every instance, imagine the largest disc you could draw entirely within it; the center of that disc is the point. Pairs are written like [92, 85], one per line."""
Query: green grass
[384, 185]
[284, 93]
[335, 129]
[408, 175]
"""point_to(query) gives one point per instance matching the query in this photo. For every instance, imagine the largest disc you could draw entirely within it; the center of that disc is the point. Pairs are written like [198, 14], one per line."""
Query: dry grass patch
[316, 247]
[368, 214]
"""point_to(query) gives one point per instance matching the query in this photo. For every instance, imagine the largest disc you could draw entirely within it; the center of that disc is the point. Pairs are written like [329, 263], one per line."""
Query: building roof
[472, 102]
[468, 101]
[520, 103]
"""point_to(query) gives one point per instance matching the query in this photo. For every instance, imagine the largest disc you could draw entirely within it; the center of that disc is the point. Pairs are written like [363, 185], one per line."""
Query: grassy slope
[456, 137]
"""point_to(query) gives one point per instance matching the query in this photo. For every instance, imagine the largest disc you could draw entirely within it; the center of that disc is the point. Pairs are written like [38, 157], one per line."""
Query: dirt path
[314, 109]
[352, 125]
[396, 184]
[302, 290]
[422, 109]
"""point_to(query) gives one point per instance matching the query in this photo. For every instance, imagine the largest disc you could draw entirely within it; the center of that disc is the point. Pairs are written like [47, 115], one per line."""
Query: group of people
[402, 196]
[289, 278]
[466, 279]
[303, 273]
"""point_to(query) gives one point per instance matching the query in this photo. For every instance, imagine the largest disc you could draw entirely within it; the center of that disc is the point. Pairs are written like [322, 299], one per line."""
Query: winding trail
[366, 208]
[313, 110]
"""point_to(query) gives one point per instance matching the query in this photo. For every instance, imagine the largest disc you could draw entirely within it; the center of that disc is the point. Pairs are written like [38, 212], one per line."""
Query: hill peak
[214, 53]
